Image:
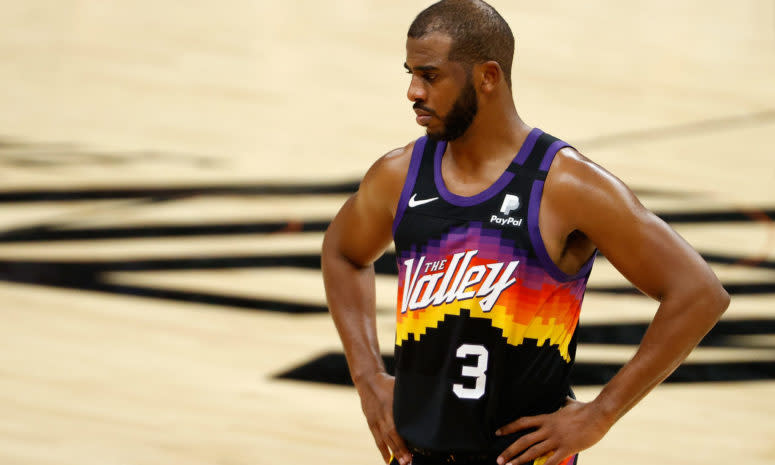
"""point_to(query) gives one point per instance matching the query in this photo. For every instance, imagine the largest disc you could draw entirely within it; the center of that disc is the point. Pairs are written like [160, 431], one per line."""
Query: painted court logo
[449, 280]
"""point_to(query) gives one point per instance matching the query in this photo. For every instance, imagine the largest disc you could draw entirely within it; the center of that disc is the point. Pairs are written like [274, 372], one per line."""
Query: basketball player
[496, 225]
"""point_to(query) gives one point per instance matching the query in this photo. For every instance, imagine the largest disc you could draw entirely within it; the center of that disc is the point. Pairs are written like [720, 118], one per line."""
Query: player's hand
[377, 402]
[559, 435]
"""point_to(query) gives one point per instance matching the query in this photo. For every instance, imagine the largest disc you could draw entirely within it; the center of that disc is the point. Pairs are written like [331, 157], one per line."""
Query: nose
[416, 90]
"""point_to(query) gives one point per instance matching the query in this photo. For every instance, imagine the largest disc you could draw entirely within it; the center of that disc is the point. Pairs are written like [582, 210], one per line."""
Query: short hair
[478, 32]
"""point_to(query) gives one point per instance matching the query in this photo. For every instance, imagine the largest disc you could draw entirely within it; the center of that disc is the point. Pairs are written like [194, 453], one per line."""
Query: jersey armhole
[409, 182]
[536, 192]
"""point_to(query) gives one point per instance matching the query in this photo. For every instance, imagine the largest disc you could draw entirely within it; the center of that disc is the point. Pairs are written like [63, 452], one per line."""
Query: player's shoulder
[382, 184]
[569, 164]
[390, 168]
[571, 171]
[394, 163]
[579, 185]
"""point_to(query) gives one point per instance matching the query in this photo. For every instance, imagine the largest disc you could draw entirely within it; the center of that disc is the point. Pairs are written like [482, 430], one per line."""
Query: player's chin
[434, 133]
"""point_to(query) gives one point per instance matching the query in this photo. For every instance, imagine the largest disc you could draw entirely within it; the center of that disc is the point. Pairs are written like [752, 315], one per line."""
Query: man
[494, 251]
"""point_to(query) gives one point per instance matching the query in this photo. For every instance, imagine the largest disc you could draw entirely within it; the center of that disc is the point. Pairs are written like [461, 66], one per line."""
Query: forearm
[350, 291]
[678, 326]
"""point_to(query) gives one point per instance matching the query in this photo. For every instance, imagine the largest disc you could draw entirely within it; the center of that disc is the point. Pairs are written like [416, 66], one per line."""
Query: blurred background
[167, 170]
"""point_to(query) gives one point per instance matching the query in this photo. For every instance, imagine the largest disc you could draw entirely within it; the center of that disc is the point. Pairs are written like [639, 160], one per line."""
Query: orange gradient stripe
[548, 315]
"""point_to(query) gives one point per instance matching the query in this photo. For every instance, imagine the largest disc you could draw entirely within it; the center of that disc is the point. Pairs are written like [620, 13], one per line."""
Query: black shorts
[422, 460]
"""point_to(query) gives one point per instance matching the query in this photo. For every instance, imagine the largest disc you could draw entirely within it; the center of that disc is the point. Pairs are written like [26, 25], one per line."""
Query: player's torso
[485, 323]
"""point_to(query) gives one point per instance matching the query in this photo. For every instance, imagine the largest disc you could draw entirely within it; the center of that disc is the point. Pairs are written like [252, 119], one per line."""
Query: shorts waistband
[453, 458]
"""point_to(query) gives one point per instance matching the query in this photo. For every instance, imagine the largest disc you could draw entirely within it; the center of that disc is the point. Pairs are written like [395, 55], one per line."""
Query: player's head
[449, 45]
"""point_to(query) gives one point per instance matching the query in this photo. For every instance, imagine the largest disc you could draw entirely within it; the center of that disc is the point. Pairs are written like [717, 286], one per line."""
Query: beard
[460, 116]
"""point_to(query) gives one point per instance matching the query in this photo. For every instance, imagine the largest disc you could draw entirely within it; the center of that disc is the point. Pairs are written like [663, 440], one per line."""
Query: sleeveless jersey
[485, 321]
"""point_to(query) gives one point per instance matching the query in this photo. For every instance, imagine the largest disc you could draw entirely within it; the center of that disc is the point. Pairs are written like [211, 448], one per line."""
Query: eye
[430, 77]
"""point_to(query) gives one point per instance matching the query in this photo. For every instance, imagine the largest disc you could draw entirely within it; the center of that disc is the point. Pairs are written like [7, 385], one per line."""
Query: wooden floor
[167, 170]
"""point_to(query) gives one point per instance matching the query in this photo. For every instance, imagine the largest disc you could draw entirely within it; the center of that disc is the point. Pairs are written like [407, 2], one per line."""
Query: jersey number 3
[477, 371]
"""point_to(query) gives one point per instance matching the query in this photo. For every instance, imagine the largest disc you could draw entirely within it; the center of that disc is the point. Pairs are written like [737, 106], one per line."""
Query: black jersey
[486, 321]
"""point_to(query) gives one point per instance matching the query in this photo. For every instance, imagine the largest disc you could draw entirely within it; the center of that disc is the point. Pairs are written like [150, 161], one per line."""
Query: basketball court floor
[167, 171]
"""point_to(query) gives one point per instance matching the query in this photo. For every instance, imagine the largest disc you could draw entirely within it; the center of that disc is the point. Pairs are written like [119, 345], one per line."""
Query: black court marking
[749, 288]
[727, 333]
[177, 193]
[90, 276]
[50, 232]
[50, 156]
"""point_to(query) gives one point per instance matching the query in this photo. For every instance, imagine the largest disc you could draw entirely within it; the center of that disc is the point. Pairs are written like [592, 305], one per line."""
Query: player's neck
[495, 132]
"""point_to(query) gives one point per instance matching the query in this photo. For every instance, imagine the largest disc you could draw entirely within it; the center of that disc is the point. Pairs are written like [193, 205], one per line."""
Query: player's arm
[652, 256]
[357, 236]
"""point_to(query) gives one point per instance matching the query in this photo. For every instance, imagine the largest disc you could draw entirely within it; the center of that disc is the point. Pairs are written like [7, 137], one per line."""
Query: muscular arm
[653, 257]
[357, 236]
[581, 196]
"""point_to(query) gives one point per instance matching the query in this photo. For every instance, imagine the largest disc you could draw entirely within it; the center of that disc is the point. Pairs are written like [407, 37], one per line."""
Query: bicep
[361, 231]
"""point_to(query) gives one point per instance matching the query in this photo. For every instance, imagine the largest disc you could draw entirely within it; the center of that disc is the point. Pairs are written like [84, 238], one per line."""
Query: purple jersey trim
[411, 178]
[550, 153]
[538, 241]
[497, 186]
[527, 146]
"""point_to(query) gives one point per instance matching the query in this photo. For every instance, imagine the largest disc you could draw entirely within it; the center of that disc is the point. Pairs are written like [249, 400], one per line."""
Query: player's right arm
[357, 236]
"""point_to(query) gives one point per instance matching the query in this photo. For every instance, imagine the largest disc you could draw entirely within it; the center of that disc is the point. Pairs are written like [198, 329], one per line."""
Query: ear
[491, 76]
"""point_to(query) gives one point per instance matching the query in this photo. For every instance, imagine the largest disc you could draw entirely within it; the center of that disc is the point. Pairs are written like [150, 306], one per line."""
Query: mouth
[423, 120]
[423, 117]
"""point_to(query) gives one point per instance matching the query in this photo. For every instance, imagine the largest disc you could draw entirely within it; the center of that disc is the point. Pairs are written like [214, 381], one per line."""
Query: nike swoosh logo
[413, 202]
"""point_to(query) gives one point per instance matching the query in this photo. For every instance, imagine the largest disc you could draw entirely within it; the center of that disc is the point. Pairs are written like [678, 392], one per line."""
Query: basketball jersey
[485, 321]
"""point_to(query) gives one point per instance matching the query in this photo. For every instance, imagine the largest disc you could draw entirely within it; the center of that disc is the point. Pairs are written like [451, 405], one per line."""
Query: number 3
[474, 372]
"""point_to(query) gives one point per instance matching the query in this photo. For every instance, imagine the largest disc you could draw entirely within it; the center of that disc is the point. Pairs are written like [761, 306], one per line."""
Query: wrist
[366, 377]
[606, 412]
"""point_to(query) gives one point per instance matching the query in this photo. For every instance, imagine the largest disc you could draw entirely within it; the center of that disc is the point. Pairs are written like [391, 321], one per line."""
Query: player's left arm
[583, 196]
